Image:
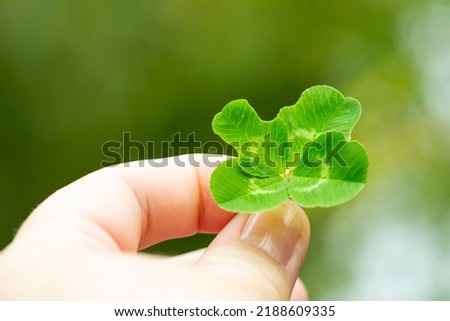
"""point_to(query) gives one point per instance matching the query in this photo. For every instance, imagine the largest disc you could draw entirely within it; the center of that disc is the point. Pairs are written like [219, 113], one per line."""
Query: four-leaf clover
[304, 154]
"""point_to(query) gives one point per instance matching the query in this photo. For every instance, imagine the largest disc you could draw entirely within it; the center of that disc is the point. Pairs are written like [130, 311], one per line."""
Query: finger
[299, 293]
[261, 254]
[131, 206]
[188, 258]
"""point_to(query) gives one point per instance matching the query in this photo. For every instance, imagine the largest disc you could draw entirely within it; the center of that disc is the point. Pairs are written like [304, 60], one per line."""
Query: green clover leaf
[304, 154]
[239, 125]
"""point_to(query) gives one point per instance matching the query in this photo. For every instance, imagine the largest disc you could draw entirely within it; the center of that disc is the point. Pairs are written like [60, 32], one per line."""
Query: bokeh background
[76, 74]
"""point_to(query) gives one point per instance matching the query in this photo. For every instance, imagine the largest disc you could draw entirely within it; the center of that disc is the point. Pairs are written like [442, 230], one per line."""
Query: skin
[82, 243]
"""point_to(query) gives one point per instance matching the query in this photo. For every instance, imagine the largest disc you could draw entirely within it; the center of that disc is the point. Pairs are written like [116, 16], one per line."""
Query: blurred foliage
[75, 74]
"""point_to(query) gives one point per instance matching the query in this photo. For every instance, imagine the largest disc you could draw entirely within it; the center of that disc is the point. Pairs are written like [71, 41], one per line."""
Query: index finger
[134, 205]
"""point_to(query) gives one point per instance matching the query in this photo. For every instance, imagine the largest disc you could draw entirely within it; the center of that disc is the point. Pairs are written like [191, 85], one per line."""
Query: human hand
[81, 242]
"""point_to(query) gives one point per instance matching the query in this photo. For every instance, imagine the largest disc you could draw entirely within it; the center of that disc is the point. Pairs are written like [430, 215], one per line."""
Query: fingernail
[275, 231]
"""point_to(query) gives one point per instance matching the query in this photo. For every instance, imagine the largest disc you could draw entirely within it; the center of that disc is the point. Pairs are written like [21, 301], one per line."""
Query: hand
[81, 242]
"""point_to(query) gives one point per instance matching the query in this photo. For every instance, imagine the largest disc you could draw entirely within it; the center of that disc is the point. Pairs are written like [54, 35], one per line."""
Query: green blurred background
[75, 74]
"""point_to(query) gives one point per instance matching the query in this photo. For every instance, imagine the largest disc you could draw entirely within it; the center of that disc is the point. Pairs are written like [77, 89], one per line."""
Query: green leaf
[256, 141]
[305, 154]
[237, 191]
[320, 109]
[331, 172]
[239, 122]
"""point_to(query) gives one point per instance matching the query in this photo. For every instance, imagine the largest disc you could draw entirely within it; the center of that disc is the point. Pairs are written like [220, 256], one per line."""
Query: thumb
[259, 255]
